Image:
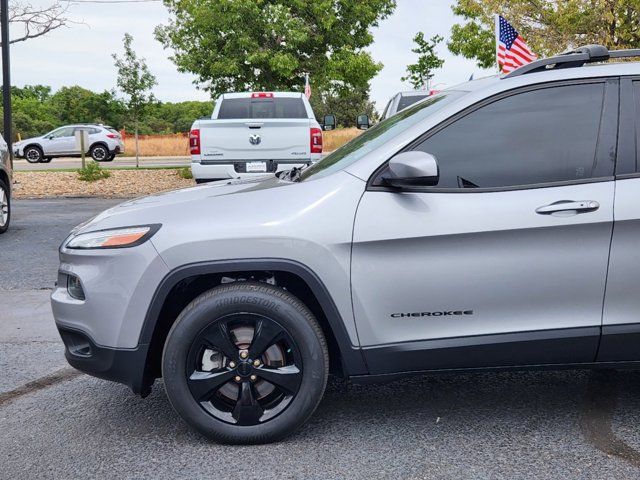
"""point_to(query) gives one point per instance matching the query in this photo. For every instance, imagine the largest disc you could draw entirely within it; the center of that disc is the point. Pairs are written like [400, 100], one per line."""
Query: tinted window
[636, 103]
[546, 135]
[262, 108]
[407, 100]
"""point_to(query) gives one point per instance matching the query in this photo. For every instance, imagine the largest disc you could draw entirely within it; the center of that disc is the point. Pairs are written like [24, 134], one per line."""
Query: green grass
[92, 172]
[185, 172]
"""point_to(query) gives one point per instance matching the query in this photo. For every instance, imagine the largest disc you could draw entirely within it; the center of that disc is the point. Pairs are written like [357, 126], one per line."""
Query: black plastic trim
[126, 366]
[558, 346]
[390, 377]
[620, 343]
[352, 359]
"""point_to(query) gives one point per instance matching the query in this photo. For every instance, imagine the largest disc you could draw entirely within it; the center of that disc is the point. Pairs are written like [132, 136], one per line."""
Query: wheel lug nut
[232, 364]
[237, 379]
[244, 354]
[254, 378]
[256, 363]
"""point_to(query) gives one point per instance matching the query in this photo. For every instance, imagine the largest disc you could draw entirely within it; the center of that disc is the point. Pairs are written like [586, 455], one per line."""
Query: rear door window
[257, 108]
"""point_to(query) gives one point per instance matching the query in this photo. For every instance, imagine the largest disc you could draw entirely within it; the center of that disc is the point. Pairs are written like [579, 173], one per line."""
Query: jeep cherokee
[494, 225]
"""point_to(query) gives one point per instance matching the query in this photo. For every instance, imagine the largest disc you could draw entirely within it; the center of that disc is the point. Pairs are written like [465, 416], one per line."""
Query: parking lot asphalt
[57, 423]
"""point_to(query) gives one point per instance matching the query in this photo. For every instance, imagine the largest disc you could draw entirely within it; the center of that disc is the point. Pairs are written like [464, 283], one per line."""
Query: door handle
[569, 207]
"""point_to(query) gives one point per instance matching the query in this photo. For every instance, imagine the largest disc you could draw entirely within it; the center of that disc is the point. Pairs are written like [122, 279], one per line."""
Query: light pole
[6, 76]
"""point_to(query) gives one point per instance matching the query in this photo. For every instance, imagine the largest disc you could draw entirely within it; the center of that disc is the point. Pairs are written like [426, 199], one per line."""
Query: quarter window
[541, 136]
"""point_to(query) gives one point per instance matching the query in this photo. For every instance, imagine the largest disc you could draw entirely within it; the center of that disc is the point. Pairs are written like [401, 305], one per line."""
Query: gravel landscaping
[121, 183]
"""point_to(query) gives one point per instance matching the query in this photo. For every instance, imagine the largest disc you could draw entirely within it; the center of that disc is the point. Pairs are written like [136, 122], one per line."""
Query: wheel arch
[185, 283]
[99, 142]
[33, 144]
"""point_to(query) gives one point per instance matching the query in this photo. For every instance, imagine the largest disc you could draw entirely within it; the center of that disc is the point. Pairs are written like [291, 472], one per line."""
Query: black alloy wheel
[245, 363]
[244, 369]
[33, 154]
[99, 153]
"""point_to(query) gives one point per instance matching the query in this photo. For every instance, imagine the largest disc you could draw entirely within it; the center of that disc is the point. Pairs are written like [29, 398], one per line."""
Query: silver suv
[475, 230]
[103, 144]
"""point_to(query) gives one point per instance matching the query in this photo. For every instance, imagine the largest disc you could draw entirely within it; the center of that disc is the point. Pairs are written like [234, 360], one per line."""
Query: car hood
[25, 141]
[146, 210]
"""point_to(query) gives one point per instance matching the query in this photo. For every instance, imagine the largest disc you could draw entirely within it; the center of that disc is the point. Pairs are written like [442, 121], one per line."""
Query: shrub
[92, 172]
[185, 173]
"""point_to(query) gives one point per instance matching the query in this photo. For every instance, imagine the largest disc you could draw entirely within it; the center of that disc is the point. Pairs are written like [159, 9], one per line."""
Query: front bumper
[126, 366]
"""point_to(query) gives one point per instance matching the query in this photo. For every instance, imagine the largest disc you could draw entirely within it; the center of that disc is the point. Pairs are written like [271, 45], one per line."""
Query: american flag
[512, 51]
[307, 86]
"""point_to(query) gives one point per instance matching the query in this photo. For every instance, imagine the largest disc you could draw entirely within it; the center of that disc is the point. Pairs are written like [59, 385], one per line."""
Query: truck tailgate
[259, 139]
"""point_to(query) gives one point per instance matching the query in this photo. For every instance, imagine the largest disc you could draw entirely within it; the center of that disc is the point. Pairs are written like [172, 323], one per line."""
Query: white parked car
[402, 100]
[255, 133]
[103, 145]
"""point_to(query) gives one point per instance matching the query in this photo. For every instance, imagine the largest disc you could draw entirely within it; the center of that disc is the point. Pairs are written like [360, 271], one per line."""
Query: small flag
[307, 86]
[511, 49]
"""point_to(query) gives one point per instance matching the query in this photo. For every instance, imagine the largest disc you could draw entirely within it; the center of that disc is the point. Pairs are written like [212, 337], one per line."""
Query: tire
[46, 160]
[5, 207]
[110, 157]
[33, 154]
[99, 153]
[236, 404]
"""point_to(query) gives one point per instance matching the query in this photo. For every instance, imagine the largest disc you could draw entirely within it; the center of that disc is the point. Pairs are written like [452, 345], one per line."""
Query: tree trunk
[137, 160]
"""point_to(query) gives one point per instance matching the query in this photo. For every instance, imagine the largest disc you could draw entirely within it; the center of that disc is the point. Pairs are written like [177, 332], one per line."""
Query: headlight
[114, 238]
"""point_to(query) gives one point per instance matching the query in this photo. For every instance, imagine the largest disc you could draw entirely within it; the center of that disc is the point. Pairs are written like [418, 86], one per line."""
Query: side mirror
[414, 168]
[362, 122]
[329, 122]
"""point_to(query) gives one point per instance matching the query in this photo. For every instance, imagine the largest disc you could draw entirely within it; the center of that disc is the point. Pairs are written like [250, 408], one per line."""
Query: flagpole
[496, 18]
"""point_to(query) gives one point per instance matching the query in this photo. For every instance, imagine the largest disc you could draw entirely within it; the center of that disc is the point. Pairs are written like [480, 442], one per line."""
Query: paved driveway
[56, 423]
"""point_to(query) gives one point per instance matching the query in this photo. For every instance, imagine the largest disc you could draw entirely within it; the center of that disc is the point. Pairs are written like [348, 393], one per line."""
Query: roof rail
[574, 58]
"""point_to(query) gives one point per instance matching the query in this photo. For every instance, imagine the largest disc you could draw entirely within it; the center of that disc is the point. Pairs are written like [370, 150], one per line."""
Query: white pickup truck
[254, 133]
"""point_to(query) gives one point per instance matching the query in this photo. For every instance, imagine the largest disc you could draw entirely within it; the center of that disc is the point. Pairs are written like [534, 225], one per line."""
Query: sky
[80, 54]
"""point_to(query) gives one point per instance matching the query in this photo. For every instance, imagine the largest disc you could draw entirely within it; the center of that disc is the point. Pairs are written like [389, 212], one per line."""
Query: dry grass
[158, 145]
[121, 183]
[178, 145]
[336, 138]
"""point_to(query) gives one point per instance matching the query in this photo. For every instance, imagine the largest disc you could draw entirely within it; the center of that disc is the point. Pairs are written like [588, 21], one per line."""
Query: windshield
[379, 135]
[408, 100]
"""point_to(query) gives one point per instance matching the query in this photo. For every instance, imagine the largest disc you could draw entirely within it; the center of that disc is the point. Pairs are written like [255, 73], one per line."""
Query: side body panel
[488, 254]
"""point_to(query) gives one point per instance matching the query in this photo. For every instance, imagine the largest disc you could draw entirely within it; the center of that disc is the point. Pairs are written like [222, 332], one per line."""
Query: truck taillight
[194, 141]
[262, 95]
[316, 140]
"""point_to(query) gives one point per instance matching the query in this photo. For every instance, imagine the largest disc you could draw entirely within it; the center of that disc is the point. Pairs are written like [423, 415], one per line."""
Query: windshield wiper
[293, 175]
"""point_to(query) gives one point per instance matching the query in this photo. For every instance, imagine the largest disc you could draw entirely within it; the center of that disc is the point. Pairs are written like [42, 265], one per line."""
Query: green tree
[346, 107]
[548, 26]
[135, 81]
[421, 72]
[238, 45]
[79, 105]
